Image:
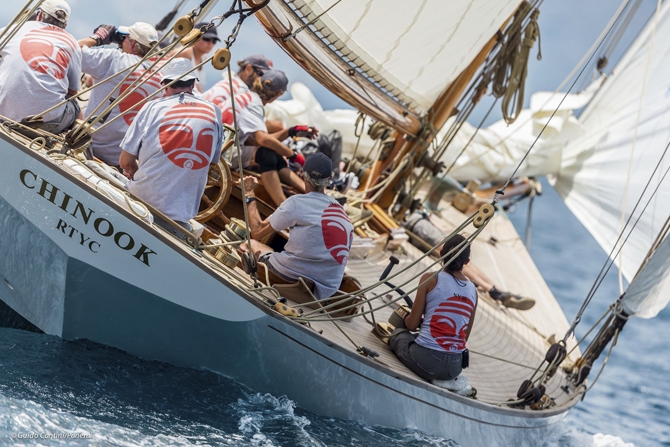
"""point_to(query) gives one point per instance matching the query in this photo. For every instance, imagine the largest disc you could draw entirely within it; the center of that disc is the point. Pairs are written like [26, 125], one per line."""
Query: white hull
[156, 300]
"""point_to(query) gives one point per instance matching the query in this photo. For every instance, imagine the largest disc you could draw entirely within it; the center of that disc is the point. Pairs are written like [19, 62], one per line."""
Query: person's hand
[297, 157]
[250, 185]
[118, 37]
[103, 34]
[303, 131]
[128, 175]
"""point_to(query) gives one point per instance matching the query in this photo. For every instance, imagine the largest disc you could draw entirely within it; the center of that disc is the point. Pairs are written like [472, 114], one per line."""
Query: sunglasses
[210, 39]
[259, 72]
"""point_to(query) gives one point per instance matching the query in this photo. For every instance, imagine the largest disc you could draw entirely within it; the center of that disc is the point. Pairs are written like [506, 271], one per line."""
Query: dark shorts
[269, 160]
[426, 363]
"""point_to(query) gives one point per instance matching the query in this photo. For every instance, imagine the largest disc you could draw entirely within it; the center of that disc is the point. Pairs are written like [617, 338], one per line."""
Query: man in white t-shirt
[169, 147]
[320, 233]
[41, 67]
[250, 69]
[100, 63]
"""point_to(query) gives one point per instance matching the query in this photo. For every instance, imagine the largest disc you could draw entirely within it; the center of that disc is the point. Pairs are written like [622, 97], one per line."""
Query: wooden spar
[436, 117]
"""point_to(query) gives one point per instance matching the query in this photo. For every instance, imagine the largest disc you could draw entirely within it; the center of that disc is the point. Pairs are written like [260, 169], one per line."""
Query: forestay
[626, 132]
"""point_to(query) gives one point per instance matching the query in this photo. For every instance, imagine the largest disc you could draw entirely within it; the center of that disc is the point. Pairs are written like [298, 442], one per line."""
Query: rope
[18, 21]
[608, 263]
[311, 22]
[511, 177]
[460, 248]
[358, 132]
[510, 76]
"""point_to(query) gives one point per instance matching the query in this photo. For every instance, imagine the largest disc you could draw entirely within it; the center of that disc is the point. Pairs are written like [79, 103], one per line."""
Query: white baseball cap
[141, 32]
[52, 7]
[176, 67]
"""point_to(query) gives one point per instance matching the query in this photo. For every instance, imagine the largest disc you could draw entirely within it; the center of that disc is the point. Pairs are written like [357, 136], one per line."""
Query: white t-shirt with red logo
[449, 309]
[220, 91]
[320, 236]
[101, 63]
[37, 68]
[248, 107]
[175, 139]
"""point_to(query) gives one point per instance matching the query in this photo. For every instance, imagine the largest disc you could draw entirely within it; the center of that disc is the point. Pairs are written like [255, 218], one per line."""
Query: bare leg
[477, 276]
[508, 299]
[291, 178]
[270, 180]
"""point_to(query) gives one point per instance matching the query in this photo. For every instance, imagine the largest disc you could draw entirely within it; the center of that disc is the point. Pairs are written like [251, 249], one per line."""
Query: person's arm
[259, 228]
[471, 322]
[128, 163]
[413, 320]
[264, 139]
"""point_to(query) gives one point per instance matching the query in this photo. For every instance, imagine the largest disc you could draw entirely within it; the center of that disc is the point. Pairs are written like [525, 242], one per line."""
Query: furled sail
[389, 58]
[627, 129]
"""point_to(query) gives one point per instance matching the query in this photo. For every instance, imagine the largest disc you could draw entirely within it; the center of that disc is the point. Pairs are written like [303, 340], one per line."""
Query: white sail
[386, 36]
[627, 130]
[649, 292]
[391, 59]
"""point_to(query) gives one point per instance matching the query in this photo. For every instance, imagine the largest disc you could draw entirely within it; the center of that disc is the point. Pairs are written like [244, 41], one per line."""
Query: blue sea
[104, 397]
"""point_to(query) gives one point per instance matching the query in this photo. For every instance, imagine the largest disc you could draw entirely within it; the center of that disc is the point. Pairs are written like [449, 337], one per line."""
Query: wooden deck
[506, 345]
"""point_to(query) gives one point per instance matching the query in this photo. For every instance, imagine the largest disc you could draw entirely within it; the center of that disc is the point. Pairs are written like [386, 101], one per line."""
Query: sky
[568, 28]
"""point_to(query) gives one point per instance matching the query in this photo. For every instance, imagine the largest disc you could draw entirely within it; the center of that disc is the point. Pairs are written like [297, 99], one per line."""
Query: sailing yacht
[82, 259]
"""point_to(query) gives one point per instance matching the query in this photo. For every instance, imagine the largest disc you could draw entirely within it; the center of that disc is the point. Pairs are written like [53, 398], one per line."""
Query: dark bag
[465, 359]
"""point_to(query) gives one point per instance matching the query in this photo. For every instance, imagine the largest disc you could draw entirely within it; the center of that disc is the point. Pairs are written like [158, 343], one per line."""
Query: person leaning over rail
[168, 148]
[320, 233]
[256, 140]
[41, 67]
[444, 312]
[135, 42]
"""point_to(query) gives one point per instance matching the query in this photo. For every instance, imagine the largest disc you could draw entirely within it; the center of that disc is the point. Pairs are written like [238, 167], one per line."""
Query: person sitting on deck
[419, 223]
[199, 51]
[320, 233]
[41, 67]
[447, 303]
[169, 147]
[258, 143]
[100, 63]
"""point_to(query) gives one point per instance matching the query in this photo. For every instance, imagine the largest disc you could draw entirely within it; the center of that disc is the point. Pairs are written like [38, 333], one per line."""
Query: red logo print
[138, 95]
[220, 92]
[335, 235]
[241, 103]
[444, 328]
[179, 140]
[48, 51]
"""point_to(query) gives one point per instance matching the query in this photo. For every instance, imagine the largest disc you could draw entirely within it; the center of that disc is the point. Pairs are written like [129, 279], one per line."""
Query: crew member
[169, 147]
[320, 233]
[100, 63]
[258, 143]
[250, 69]
[419, 223]
[199, 51]
[41, 67]
[447, 303]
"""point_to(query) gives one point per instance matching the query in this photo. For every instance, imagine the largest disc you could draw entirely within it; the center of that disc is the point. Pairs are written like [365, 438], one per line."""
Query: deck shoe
[511, 300]
[518, 302]
[458, 385]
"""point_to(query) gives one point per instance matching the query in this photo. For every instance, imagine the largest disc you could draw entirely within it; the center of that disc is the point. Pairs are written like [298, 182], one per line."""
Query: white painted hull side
[164, 305]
